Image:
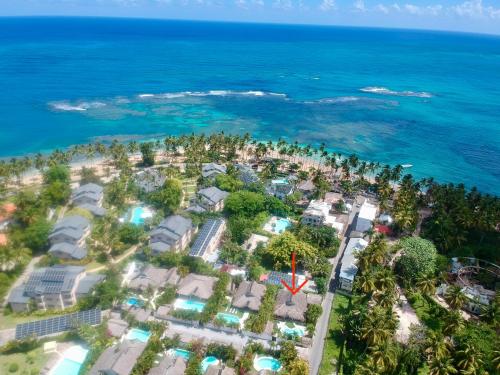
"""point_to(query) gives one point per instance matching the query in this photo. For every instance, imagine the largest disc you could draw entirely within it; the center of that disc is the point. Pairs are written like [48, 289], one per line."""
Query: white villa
[318, 214]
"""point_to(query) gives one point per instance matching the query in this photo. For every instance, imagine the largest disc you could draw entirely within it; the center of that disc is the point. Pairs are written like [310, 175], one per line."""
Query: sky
[479, 16]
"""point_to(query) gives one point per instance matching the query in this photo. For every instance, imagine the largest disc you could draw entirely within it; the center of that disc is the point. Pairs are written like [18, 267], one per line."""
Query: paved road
[322, 324]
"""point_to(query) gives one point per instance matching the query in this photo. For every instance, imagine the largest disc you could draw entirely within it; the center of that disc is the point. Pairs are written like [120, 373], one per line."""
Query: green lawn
[334, 339]
[428, 311]
[29, 363]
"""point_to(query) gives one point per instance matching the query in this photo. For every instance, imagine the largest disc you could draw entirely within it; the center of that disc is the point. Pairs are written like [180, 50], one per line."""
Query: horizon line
[431, 30]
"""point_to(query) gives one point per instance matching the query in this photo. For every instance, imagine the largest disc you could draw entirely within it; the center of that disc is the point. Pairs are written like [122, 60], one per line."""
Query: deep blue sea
[411, 97]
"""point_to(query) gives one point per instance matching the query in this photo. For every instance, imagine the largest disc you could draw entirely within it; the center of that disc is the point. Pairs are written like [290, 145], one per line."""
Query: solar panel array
[274, 278]
[58, 324]
[207, 231]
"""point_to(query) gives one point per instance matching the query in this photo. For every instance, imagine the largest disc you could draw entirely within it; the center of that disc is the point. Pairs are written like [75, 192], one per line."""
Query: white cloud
[359, 5]
[429, 10]
[283, 4]
[382, 8]
[327, 5]
[475, 9]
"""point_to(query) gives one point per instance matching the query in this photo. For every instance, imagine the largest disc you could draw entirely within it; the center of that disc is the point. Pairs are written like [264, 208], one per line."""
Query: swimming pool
[296, 330]
[279, 181]
[281, 225]
[139, 214]
[208, 361]
[180, 353]
[134, 301]
[188, 304]
[266, 363]
[229, 318]
[71, 362]
[138, 334]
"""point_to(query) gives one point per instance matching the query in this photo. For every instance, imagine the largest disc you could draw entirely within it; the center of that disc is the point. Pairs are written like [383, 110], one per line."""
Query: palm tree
[442, 366]
[496, 359]
[384, 280]
[469, 359]
[427, 285]
[366, 283]
[453, 322]
[454, 296]
[379, 326]
[437, 347]
[384, 357]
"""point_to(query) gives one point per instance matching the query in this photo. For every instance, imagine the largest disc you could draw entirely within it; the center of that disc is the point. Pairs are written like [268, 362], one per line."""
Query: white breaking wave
[83, 106]
[182, 94]
[341, 99]
[386, 91]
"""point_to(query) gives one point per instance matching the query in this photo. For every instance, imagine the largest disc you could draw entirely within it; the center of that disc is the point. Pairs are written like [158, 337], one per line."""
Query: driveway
[322, 323]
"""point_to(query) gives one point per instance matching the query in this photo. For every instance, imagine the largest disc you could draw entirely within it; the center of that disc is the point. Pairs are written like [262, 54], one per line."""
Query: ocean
[429, 99]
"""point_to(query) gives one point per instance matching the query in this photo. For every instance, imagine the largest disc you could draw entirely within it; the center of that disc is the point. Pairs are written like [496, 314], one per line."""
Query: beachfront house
[173, 234]
[196, 286]
[246, 174]
[318, 214]
[68, 236]
[306, 188]
[149, 180]
[170, 364]
[208, 239]
[119, 359]
[155, 278]
[211, 170]
[249, 295]
[365, 217]
[212, 198]
[291, 307]
[89, 197]
[56, 287]
[348, 268]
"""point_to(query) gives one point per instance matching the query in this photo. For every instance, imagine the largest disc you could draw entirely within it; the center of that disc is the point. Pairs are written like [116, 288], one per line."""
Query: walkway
[125, 255]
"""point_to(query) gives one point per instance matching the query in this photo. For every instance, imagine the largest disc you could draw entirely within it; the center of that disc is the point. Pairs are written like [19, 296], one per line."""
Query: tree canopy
[281, 248]
[418, 258]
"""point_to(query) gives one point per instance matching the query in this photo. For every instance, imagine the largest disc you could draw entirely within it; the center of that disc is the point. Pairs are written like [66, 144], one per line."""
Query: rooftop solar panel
[205, 235]
[58, 324]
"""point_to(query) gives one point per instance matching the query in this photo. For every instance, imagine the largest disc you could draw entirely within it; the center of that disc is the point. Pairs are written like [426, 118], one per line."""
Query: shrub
[13, 367]
[418, 258]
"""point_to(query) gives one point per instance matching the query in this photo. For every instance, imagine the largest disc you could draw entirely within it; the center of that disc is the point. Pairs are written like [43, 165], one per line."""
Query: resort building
[208, 239]
[56, 287]
[306, 188]
[196, 286]
[246, 174]
[348, 268]
[89, 197]
[212, 198]
[249, 295]
[318, 214]
[365, 217]
[280, 188]
[291, 307]
[67, 239]
[119, 359]
[116, 327]
[478, 298]
[255, 241]
[155, 278]
[169, 365]
[149, 180]
[211, 170]
[173, 234]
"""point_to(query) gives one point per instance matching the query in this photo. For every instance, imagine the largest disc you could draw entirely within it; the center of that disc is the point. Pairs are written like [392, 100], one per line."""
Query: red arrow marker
[293, 289]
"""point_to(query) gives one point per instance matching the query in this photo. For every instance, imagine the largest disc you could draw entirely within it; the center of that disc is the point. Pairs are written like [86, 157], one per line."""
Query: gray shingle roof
[154, 277]
[55, 279]
[93, 209]
[174, 227]
[169, 365]
[91, 191]
[213, 194]
[72, 251]
[118, 359]
[71, 226]
[212, 169]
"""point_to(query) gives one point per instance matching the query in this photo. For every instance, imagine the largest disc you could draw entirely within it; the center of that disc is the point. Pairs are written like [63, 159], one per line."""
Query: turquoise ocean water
[423, 98]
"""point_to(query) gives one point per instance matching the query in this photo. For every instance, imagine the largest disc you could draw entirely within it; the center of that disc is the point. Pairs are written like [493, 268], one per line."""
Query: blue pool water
[72, 361]
[281, 225]
[267, 363]
[138, 334]
[134, 301]
[296, 331]
[279, 181]
[136, 217]
[207, 361]
[229, 318]
[394, 96]
[190, 305]
[67, 367]
[182, 353]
